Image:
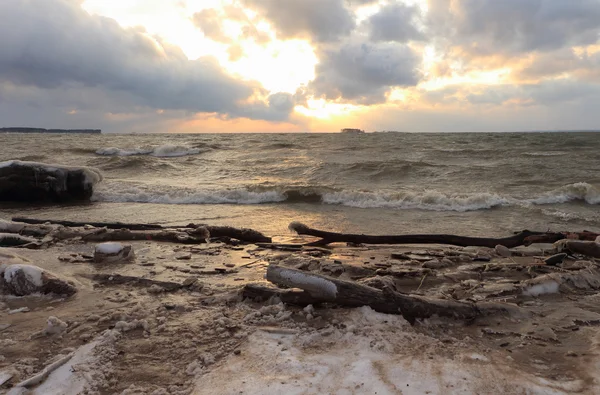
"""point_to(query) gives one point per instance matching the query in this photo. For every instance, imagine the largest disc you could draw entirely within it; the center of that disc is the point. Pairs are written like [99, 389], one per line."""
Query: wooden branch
[242, 234]
[463, 241]
[73, 224]
[261, 293]
[196, 236]
[587, 248]
[350, 294]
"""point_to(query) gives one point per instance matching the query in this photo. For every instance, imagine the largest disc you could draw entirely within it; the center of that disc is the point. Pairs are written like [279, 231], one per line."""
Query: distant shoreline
[42, 130]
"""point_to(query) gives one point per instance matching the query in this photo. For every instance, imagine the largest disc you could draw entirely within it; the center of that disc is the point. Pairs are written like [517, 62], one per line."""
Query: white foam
[428, 200]
[577, 191]
[234, 196]
[163, 151]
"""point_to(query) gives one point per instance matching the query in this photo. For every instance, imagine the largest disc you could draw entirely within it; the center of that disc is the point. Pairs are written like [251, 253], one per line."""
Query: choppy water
[376, 183]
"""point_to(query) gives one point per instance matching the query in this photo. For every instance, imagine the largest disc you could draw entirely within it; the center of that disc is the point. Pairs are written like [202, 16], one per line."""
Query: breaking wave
[423, 200]
[164, 151]
[580, 191]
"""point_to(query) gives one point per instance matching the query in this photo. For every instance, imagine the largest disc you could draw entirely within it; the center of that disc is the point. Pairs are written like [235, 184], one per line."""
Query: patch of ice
[314, 285]
[344, 361]
[109, 248]
[550, 287]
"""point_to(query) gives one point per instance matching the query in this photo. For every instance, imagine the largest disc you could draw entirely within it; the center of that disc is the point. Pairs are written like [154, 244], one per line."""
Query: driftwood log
[74, 224]
[242, 234]
[350, 294]
[117, 279]
[587, 248]
[521, 238]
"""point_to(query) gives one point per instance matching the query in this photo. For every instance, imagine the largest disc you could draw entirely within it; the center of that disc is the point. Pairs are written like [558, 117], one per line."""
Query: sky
[145, 66]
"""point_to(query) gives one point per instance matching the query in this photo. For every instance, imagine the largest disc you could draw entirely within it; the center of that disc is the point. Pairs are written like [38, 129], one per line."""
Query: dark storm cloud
[395, 22]
[51, 44]
[363, 72]
[319, 20]
[513, 27]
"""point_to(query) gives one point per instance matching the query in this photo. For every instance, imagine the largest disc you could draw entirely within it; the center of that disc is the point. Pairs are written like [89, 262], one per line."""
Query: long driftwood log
[74, 224]
[117, 279]
[350, 294]
[522, 238]
[242, 234]
[587, 248]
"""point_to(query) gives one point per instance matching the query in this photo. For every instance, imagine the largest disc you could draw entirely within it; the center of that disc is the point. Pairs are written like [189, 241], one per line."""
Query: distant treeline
[41, 130]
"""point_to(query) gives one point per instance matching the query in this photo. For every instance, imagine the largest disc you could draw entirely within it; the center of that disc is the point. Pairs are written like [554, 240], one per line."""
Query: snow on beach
[369, 353]
[203, 337]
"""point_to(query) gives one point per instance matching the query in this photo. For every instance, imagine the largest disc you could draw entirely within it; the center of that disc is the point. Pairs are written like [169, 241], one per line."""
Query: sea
[480, 184]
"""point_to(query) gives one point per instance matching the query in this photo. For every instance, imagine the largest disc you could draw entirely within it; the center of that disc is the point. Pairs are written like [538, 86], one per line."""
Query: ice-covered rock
[31, 181]
[113, 252]
[503, 251]
[22, 279]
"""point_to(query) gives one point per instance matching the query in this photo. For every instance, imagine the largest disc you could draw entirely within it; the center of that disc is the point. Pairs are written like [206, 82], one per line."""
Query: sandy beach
[206, 338]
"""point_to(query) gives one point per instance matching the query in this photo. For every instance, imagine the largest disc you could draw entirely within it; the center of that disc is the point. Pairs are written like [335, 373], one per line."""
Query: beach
[206, 337]
[161, 310]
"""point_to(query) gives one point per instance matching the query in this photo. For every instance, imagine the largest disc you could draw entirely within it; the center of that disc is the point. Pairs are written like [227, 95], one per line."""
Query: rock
[482, 258]
[184, 257]
[31, 181]
[379, 282]
[189, 281]
[54, 326]
[113, 252]
[21, 280]
[555, 259]
[437, 264]
[503, 251]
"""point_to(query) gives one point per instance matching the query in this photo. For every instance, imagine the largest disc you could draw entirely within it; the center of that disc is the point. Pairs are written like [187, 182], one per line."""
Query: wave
[133, 162]
[580, 191]
[546, 153]
[163, 151]
[423, 200]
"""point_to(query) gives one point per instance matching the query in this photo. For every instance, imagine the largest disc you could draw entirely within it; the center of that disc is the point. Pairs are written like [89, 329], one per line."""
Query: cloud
[514, 27]
[363, 72]
[318, 20]
[53, 44]
[395, 22]
[209, 21]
